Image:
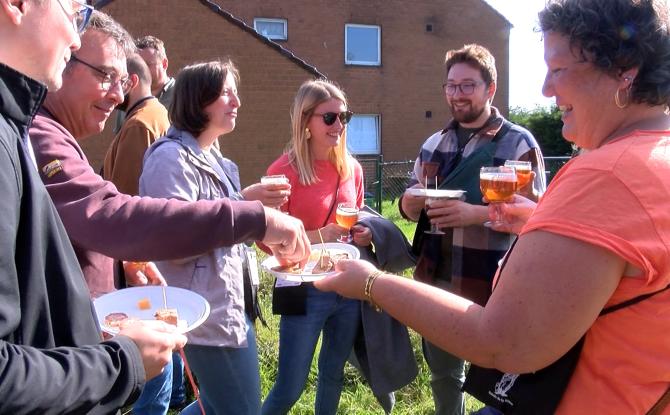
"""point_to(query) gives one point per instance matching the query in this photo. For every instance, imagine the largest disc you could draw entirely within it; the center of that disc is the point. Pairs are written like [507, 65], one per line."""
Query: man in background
[152, 50]
[146, 121]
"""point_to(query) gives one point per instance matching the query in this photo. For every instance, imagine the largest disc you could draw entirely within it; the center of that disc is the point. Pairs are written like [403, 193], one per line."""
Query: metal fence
[388, 180]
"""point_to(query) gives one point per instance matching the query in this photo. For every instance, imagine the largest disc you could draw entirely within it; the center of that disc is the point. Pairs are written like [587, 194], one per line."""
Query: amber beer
[523, 171]
[346, 217]
[498, 184]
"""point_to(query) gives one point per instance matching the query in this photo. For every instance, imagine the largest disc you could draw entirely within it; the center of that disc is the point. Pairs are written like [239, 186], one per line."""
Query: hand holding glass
[498, 184]
[277, 179]
[346, 216]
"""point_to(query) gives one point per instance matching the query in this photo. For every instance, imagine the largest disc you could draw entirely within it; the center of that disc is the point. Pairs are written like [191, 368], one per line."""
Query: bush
[546, 125]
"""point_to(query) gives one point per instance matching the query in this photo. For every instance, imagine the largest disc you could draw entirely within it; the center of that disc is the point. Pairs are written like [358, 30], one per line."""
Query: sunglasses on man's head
[330, 117]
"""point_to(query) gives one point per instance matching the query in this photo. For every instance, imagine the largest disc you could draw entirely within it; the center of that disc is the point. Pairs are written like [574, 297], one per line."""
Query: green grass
[413, 399]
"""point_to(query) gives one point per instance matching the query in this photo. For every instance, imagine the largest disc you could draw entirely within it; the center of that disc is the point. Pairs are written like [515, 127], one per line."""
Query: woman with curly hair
[591, 266]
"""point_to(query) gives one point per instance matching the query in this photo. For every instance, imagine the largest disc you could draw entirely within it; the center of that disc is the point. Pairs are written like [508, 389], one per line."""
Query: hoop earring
[617, 100]
[308, 134]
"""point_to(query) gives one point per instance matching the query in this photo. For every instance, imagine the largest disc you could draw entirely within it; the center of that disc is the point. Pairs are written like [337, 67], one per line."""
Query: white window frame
[378, 142]
[379, 45]
[284, 22]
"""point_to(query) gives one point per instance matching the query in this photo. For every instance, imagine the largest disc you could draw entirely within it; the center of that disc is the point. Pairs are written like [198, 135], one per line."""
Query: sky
[527, 68]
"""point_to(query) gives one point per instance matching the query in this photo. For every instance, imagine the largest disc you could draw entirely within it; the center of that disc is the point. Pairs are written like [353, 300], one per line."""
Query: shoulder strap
[632, 301]
[332, 205]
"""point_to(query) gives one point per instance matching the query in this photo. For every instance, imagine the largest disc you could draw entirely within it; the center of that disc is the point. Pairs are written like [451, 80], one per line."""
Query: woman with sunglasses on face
[322, 174]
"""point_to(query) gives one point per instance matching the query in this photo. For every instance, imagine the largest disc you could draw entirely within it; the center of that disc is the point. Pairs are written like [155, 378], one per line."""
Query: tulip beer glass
[346, 216]
[498, 185]
[524, 172]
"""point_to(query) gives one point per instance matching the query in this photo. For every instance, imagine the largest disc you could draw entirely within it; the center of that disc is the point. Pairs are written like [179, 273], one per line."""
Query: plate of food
[321, 263]
[436, 193]
[185, 309]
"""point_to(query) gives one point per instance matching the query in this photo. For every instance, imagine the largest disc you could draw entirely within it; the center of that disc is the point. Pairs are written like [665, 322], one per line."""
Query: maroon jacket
[104, 224]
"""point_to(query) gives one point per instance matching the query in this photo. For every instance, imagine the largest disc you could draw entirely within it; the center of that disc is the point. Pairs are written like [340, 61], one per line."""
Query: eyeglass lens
[330, 117]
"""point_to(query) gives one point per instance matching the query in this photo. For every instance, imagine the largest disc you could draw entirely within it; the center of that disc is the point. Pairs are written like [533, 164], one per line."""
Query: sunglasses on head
[330, 117]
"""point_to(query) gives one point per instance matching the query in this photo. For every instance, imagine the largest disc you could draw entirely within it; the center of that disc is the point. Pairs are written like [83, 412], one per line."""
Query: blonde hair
[310, 95]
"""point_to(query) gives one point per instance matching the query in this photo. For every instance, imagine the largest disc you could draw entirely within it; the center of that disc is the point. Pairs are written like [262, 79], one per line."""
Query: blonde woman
[322, 174]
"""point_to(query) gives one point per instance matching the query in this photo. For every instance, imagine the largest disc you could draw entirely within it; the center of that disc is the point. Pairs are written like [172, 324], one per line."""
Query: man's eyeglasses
[79, 12]
[466, 88]
[107, 80]
[330, 117]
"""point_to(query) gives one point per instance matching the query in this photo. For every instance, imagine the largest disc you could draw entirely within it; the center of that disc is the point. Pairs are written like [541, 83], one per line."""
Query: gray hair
[105, 24]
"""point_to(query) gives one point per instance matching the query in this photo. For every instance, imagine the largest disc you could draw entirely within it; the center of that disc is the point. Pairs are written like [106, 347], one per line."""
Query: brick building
[392, 69]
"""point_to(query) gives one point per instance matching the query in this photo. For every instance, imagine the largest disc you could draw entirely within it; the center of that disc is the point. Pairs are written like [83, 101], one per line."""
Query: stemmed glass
[276, 179]
[429, 171]
[524, 172]
[346, 216]
[498, 185]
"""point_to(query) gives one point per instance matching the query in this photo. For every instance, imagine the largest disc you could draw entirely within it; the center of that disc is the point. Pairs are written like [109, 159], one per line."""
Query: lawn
[357, 398]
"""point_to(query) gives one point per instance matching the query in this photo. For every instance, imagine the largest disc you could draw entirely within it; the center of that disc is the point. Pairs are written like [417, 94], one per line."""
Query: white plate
[444, 193]
[333, 247]
[191, 307]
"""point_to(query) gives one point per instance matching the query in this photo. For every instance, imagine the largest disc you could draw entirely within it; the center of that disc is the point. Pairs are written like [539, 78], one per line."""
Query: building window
[275, 29]
[363, 134]
[362, 45]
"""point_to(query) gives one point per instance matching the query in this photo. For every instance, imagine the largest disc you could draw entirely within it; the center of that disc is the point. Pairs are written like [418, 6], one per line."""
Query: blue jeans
[447, 374]
[155, 397]
[178, 395]
[228, 378]
[339, 319]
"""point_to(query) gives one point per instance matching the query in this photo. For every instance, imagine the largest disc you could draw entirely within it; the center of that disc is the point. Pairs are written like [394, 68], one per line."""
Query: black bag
[531, 393]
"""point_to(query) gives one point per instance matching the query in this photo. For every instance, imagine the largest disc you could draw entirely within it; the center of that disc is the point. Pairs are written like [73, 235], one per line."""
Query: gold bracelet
[368, 288]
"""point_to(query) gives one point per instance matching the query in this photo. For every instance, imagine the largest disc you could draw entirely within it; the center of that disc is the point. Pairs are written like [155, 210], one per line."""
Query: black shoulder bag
[539, 392]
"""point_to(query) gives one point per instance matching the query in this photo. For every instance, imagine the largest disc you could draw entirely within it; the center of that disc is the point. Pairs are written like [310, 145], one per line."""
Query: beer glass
[346, 216]
[274, 179]
[498, 185]
[523, 171]
[434, 229]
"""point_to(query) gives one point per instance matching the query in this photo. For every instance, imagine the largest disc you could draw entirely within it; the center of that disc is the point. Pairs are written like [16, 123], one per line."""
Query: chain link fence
[388, 180]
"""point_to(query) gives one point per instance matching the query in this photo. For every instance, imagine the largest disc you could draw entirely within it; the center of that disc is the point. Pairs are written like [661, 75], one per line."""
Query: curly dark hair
[617, 35]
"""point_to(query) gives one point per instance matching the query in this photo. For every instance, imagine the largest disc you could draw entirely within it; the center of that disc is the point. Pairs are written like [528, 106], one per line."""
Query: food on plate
[320, 262]
[144, 304]
[168, 315]
[115, 319]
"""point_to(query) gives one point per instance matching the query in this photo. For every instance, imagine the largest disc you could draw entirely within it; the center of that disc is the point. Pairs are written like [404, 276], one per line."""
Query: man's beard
[468, 116]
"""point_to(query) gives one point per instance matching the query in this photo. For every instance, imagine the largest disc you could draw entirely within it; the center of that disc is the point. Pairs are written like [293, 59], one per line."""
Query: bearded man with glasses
[464, 259]
[51, 357]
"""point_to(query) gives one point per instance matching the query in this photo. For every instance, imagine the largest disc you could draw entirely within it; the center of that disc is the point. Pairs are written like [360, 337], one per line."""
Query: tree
[546, 125]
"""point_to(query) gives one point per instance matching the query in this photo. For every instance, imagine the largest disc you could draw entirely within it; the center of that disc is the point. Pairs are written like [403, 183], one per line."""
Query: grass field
[414, 399]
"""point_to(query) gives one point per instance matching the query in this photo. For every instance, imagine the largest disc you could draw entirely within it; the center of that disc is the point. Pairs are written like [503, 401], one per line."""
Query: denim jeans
[155, 397]
[178, 395]
[228, 378]
[447, 374]
[339, 319]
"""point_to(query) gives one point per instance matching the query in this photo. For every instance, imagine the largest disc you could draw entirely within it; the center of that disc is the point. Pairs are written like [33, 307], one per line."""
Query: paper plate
[307, 276]
[443, 193]
[191, 307]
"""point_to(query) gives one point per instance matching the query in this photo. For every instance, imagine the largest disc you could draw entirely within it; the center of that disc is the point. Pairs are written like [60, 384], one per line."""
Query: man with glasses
[51, 357]
[465, 258]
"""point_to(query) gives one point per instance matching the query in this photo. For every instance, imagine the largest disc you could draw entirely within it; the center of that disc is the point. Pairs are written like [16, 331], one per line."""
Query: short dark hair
[136, 65]
[197, 86]
[476, 56]
[152, 42]
[617, 35]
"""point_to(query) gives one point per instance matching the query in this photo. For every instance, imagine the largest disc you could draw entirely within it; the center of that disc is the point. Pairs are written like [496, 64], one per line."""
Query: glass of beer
[498, 185]
[274, 179]
[346, 216]
[524, 172]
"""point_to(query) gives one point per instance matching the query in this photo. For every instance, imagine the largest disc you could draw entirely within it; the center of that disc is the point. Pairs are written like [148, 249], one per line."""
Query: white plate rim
[137, 293]
[271, 262]
[446, 193]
